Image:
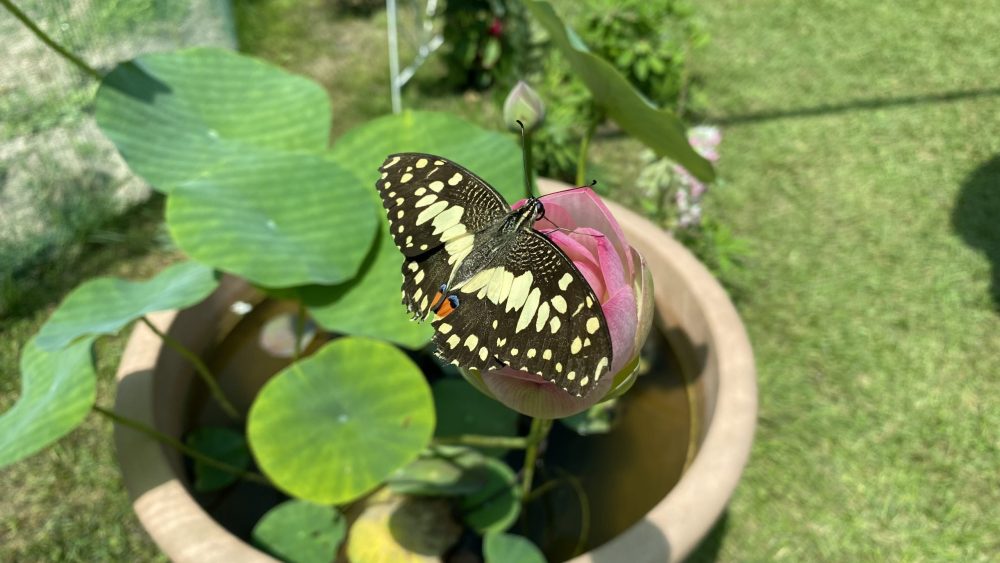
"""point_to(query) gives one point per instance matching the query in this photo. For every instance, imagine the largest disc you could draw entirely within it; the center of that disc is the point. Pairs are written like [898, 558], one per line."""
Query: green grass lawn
[861, 162]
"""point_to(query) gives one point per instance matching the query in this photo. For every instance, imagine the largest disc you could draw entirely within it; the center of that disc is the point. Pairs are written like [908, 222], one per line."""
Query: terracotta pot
[693, 310]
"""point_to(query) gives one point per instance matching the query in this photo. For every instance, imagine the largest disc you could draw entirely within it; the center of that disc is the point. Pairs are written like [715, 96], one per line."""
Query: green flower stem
[17, 13]
[581, 159]
[199, 366]
[529, 166]
[539, 430]
[510, 443]
[179, 446]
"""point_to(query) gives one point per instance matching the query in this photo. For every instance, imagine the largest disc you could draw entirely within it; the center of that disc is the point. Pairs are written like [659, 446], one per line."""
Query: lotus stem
[179, 446]
[506, 442]
[581, 159]
[539, 430]
[199, 367]
[76, 61]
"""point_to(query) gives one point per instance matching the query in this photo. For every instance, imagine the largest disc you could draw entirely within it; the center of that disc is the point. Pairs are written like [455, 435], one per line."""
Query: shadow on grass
[855, 105]
[54, 271]
[976, 217]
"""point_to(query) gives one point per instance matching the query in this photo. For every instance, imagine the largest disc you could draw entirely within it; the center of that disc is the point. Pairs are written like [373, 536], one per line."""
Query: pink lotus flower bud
[523, 104]
[591, 237]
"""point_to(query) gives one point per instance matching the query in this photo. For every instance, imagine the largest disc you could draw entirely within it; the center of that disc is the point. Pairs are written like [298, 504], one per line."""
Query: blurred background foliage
[852, 222]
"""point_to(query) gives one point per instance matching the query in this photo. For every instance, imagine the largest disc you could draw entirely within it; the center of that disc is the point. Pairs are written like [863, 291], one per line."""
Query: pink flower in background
[593, 240]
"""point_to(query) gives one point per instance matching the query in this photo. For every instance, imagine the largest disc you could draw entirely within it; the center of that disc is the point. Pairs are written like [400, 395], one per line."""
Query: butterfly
[498, 292]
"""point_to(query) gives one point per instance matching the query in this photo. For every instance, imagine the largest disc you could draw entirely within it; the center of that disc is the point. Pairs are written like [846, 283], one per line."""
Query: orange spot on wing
[444, 310]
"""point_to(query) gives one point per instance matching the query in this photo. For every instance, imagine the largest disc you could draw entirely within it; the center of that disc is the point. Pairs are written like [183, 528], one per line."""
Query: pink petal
[586, 209]
[622, 316]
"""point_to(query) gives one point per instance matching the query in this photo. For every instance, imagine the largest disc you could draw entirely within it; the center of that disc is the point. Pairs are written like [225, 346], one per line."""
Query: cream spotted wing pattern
[500, 293]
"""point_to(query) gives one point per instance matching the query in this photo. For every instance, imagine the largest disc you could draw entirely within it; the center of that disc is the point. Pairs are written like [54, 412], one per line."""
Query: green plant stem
[507, 442]
[78, 62]
[529, 165]
[199, 366]
[539, 430]
[581, 159]
[179, 446]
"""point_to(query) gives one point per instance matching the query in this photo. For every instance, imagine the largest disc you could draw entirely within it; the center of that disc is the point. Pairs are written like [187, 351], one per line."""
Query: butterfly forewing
[430, 201]
[533, 311]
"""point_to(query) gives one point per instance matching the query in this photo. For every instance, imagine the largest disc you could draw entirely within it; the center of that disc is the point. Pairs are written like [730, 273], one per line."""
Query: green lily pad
[57, 391]
[333, 426]
[297, 531]
[440, 471]
[495, 506]
[370, 304]
[276, 219]
[660, 130]
[504, 548]
[185, 114]
[105, 305]
[222, 444]
[461, 409]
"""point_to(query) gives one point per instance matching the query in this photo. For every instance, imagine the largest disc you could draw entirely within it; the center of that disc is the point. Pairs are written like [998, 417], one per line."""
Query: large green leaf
[276, 219]
[105, 305]
[370, 304]
[495, 507]
[462, 409]
[57, 391]
[239, 145]
[301, 532]
[661, 130]
[333, 426]
[180, 115]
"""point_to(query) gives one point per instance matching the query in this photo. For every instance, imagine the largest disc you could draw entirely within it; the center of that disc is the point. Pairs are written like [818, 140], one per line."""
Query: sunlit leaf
[659, 129]
[105, 305]
[333, 426]
[57, 391]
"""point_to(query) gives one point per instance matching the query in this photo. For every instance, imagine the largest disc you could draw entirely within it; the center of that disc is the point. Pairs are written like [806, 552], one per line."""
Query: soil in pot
[623, 474]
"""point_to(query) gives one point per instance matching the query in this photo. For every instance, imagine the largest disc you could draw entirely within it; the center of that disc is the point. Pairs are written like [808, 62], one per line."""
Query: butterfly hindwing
[533, 311]
[430, 201]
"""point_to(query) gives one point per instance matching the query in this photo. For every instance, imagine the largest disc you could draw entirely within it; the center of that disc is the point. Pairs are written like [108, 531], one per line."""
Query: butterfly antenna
[526, 152]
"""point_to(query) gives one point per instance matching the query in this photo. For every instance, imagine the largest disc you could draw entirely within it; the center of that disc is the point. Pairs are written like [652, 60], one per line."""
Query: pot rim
[185, 532]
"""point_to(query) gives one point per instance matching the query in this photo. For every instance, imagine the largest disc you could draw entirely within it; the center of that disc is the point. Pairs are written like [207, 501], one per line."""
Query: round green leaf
[461, 409]
[333, 426]
[369, 305]
[297, 531]
[508, 548]
[441, 471]
[105, 305]
[177, 116]
[276, 219]
[222, 444]
[395, 528]
[495, 506]
[660, 130]
[57, 391]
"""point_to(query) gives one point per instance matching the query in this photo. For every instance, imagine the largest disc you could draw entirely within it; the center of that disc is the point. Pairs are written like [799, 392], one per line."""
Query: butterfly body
[498, 292]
